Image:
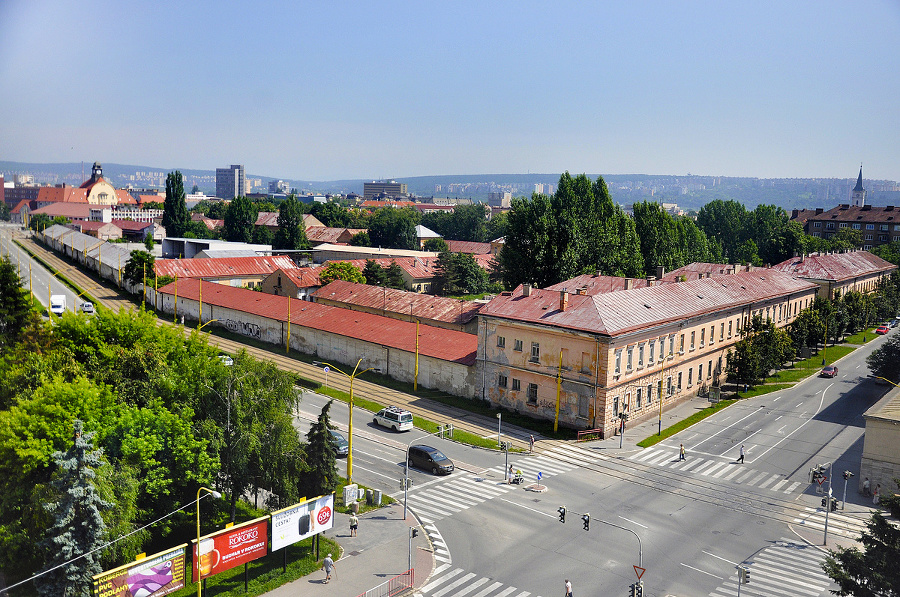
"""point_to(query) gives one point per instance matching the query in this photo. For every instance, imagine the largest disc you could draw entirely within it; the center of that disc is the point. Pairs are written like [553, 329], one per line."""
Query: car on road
[430, 459]
[341, 447]
[830, 371]
[58, 304]
[882, 329]
[394, 418]
[226, 360]
[87, 307]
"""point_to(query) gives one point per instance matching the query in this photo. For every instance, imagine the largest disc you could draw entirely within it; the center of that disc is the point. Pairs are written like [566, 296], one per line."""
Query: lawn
[685, 423]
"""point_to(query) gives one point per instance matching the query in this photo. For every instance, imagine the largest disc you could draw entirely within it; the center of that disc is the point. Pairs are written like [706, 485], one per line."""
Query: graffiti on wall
[242, 327]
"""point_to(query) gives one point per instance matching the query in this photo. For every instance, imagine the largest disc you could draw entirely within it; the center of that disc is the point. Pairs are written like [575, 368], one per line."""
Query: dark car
[341, 447]
[430, 459]
[830, 371]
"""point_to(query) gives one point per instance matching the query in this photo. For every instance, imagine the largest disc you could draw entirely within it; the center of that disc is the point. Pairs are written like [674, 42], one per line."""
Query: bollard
[377, 497]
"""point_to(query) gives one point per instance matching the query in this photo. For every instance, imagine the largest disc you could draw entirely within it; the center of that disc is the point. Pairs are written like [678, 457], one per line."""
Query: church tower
[858, 195]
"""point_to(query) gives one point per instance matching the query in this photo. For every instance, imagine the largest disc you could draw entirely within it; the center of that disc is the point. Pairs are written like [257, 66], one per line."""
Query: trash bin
[354, 507]
[377, 497]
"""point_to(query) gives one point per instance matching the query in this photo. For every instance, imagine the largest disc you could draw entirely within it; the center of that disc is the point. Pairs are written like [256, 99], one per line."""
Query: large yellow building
[621, 351]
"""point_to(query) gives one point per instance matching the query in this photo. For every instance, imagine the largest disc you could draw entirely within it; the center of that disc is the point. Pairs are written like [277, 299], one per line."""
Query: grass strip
[685, 423]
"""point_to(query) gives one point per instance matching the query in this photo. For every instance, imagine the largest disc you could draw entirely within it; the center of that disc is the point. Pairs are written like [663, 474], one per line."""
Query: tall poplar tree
[291, 231]
[321, 476]
[175, 214]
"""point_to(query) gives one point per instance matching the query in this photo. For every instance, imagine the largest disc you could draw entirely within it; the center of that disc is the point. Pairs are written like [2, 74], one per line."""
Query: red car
[830, 371]
[882, 329]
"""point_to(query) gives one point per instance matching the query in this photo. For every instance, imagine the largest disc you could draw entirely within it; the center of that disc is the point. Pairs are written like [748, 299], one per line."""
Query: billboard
[231, 547]
[160, 574]
[302, 520]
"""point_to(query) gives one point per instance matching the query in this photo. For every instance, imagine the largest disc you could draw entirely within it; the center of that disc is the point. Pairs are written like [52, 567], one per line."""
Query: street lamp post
[216, 495]
[356, 373]
[499, 421]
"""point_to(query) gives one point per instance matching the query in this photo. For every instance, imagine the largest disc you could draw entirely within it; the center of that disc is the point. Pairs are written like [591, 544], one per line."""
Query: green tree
[341, 270]
[331, 214]
[322, 476]
[525, 256]
[149, 242]
[889, 252]
[807, 329]
[723, 222]
[5, 212]
[78, 528]
[373, 273]
[360, 239]
[436, 245]
[15, 305]
[40, 222]
[496, 227]
[139, 265]
[291, 230]
[871, 571]
[884, 361]
[263, 236]
[240, 218]
[394, 228]
[393, 276]
[743, 363]
[175, 215]
[458, 274]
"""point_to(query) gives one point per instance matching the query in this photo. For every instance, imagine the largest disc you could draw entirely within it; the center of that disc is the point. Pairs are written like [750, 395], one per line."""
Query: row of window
[518, 347]
[857, 226]
[503, 380]
[644, 396]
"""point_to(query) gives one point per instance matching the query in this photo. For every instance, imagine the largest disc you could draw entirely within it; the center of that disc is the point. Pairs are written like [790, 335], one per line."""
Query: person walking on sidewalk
[354, 524]
[681, 453]
[741, 458]
[510, 475]
[867, 491]
[329, 566]
[532, 444]
[568, 588]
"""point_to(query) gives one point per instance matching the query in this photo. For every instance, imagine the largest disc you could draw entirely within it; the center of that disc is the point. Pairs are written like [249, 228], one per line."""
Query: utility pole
[827, 504]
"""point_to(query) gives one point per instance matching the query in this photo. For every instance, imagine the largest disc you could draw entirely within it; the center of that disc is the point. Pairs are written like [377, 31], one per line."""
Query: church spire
[858, 186]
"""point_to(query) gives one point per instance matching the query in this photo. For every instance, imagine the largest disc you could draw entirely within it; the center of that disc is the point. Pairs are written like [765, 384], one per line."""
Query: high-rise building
[389, 188]
[230, 182]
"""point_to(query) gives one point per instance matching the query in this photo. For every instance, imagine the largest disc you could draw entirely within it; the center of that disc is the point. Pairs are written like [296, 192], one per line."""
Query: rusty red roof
[412, 304]
[837, 267]
[626, 311]
[223, 267]
[465, 246]
[439, 343]
[304, 277]
[131, 224]
[591, 284]
[324, 234]
[62, 195]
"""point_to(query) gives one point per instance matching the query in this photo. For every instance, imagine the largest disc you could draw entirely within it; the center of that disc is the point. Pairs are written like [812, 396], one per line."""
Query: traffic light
[746, 576]
[587, 521]
[415, 533]
[639, 589]
[633, 590]
[562, 514]
[847, 475]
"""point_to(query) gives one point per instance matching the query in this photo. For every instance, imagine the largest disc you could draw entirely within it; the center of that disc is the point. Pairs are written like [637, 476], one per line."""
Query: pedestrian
[867, 491]
[329, 566]
[568, 588]
[509, 475]
[681, 453]
[354, 524]
[532, 444]
[875, 497]
[741, 459]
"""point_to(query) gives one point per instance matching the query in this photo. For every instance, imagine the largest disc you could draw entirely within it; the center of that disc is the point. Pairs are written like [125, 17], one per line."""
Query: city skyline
[319, 92]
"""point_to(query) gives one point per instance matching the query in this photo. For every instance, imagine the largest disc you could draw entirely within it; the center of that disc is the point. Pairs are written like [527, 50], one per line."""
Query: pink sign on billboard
[158, 575]
[229, 548]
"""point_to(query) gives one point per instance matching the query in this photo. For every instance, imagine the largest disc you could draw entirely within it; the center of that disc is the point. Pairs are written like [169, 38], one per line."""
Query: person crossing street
[741, 458]
[681, 453]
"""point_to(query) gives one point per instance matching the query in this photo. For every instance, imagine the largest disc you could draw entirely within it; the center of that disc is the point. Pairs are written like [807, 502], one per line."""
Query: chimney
[526, 289]
[795, 213]
[563, 299]
[660, 271]
[700, 276]
[581, 291]
[629, 283]
[651, 280]
[819, 210]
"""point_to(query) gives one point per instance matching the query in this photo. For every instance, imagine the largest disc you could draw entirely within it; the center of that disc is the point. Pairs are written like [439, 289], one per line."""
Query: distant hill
[690, 192]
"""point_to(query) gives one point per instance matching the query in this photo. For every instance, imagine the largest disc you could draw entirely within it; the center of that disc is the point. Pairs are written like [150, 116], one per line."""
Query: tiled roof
[132, 225]
[151, 199]
[20, 207]
[439, 343]
[267, 218]
[69, 210]
[465, 246]
[591, 284]
[867, 213]
[617, 313]
[834, 266]
[62, 195]
[400, 301]
[372, 203]
[125, 197]
[693, 271]
[324, 234]
[224, 267]
[304, 277]
[419, 268]
[95, 225]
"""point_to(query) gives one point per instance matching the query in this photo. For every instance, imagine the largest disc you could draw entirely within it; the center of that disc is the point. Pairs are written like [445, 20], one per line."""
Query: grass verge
[684, 424]
[764, 389]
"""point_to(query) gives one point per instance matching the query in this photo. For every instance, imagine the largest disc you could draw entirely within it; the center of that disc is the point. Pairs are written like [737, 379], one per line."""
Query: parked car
[394, 418]
[830, 371]
[341, 447]
[87, 307]
[882, 329]
[430, 459]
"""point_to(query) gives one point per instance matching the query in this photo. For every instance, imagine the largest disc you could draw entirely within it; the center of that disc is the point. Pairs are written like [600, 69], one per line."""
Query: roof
[867, 213]
[110, 253]
[80, 241]
[616, 313]
[886, 409]
[422, 306]
[396, 253]
[836, 267]
[225, 267]
[124, 197]
[859, 186]
[70, 210]
[96, 225]
[466, 246]
[62, 195]
[267, 218]
[591, 284]
[21, 206]
[693, 271]
[325, 234]
[216, 254]
[439, 343]
[372, 203]
[416, 268]
[132, 225]
[424, 232]
[304, 277]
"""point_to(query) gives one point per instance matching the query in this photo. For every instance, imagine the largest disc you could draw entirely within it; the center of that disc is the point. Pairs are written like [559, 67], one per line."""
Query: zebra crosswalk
[447, 581]
[787, 568]
[840, 525]
[714, 468]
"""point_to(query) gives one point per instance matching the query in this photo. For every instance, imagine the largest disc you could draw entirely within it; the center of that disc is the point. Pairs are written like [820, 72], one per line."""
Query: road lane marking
[744, 440]
[633, 522]
[821, 402]
[703, 571]
[527, 508]
[723, 429]
[719, 557]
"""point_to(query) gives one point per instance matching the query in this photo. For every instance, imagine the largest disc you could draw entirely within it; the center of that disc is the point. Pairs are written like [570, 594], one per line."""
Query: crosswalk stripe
[490, 589]
[661, 457]
[566, 458]
[710, 470]
[471, 587]
[721, 472]
[428, 507]
[741, 475]
[441, 580]
[756, 479]
[454, 584]
[443, 499]
[768, 482]
[485, 489]
[505, 592]
[692, 464]
[644, 455]
[705, 465]
[778, 485]
[792, 487]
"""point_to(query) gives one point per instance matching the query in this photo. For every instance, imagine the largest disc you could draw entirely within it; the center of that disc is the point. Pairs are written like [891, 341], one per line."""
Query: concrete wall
[881, 448]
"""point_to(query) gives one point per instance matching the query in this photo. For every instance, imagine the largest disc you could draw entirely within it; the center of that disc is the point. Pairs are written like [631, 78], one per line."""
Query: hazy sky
[327, 90]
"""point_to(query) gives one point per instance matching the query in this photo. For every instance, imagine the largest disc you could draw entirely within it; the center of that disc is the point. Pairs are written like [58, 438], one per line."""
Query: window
[518, 346]
[662, 348]
[669, 386]
[501, 381]
[729, 329]
[702, 337]
[616, 406]
[690, 377]
[712, 334]
[641, 355]
[671, 345]
[652, 346]
[681, 344]
[535, 351]
[583, 406]
[699, 373]
[870, 226]
[630, 358]
[517, 385]
[829, 225]
[637, 398]
[532, 393]
[856, 226]
[693, 335]
[843, 225]
[649, 394]
[618, 361]
[585, 362]
[679, 380]
[884, 227]
[722, 332]
[882, 237]
[501, 342]
[870, 236]
[709, 369]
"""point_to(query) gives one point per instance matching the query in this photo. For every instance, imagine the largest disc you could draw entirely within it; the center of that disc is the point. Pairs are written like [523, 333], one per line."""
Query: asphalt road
[37, 278]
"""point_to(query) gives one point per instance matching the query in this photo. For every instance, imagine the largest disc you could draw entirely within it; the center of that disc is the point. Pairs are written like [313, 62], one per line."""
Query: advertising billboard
[302, 520]
[160, 574]
[231, 547]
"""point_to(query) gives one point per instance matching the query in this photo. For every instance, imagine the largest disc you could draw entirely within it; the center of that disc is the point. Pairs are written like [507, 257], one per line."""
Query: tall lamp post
[356, 373]
[499, 421]
[216, 495]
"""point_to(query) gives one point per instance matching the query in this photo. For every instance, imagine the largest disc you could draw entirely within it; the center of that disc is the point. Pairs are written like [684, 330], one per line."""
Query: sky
[309, 90]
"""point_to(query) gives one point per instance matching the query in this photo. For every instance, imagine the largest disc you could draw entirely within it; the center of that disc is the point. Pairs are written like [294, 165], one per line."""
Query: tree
[291, 230]
[78, 528]
[360, 239]
[15, 305]
[394, 228]
[436, 245]
[141, 264]
[322, 476]
[393, 276]
[885, 360]
[807, 329]
[459, 273]
[331, 214]
[743, 363]
[240, 218]
[149, 242]
[373, 273]
[341, 270]
[723, 221]
[40, 222]
[263, 236]
[497, 226]
[5, 212]
[871, 571]
[175, 215]
[889, 252]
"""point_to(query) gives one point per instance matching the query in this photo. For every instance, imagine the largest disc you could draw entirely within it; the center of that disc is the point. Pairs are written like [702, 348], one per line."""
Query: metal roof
[471, 247]
[837, 267]
[412, 304]
[224, 267]
[629, 310]
[439, 343]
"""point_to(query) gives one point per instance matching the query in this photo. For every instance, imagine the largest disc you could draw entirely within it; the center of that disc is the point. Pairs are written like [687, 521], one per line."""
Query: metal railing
[394, 586]
[589, 434]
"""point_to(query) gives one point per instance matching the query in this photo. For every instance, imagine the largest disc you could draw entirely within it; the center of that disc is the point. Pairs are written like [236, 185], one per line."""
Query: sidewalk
[376, 555]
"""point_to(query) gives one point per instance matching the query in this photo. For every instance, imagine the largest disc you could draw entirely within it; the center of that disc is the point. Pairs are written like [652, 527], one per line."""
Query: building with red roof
[839, 272]
[298, 283]
[232, 271]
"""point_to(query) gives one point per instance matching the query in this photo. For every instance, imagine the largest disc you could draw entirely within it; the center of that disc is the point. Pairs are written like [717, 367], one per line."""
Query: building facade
[386, 188]
[839, 272]
[230, 182]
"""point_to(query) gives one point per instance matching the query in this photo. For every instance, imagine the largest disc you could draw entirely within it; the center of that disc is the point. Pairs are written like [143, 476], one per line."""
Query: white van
[394, 418]
[58, 304]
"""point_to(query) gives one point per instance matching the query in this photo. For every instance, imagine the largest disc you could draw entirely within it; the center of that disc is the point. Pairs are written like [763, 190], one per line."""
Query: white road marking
[633, 522]
[721, 558]
[821, 402]
[703, 571]
[527, 508]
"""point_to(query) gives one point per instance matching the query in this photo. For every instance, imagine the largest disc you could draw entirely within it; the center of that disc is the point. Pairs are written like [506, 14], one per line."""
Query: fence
[394, 586]
[589, 434]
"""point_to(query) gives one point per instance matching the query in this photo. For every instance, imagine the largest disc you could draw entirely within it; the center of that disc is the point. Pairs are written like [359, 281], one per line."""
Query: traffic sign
[540, 475]
[639, 571]
[822, 479]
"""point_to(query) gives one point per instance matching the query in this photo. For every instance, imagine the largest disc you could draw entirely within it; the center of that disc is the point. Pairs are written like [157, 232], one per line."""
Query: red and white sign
[302, 520]
[229, 548]
[639, 571]
[822, 479]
